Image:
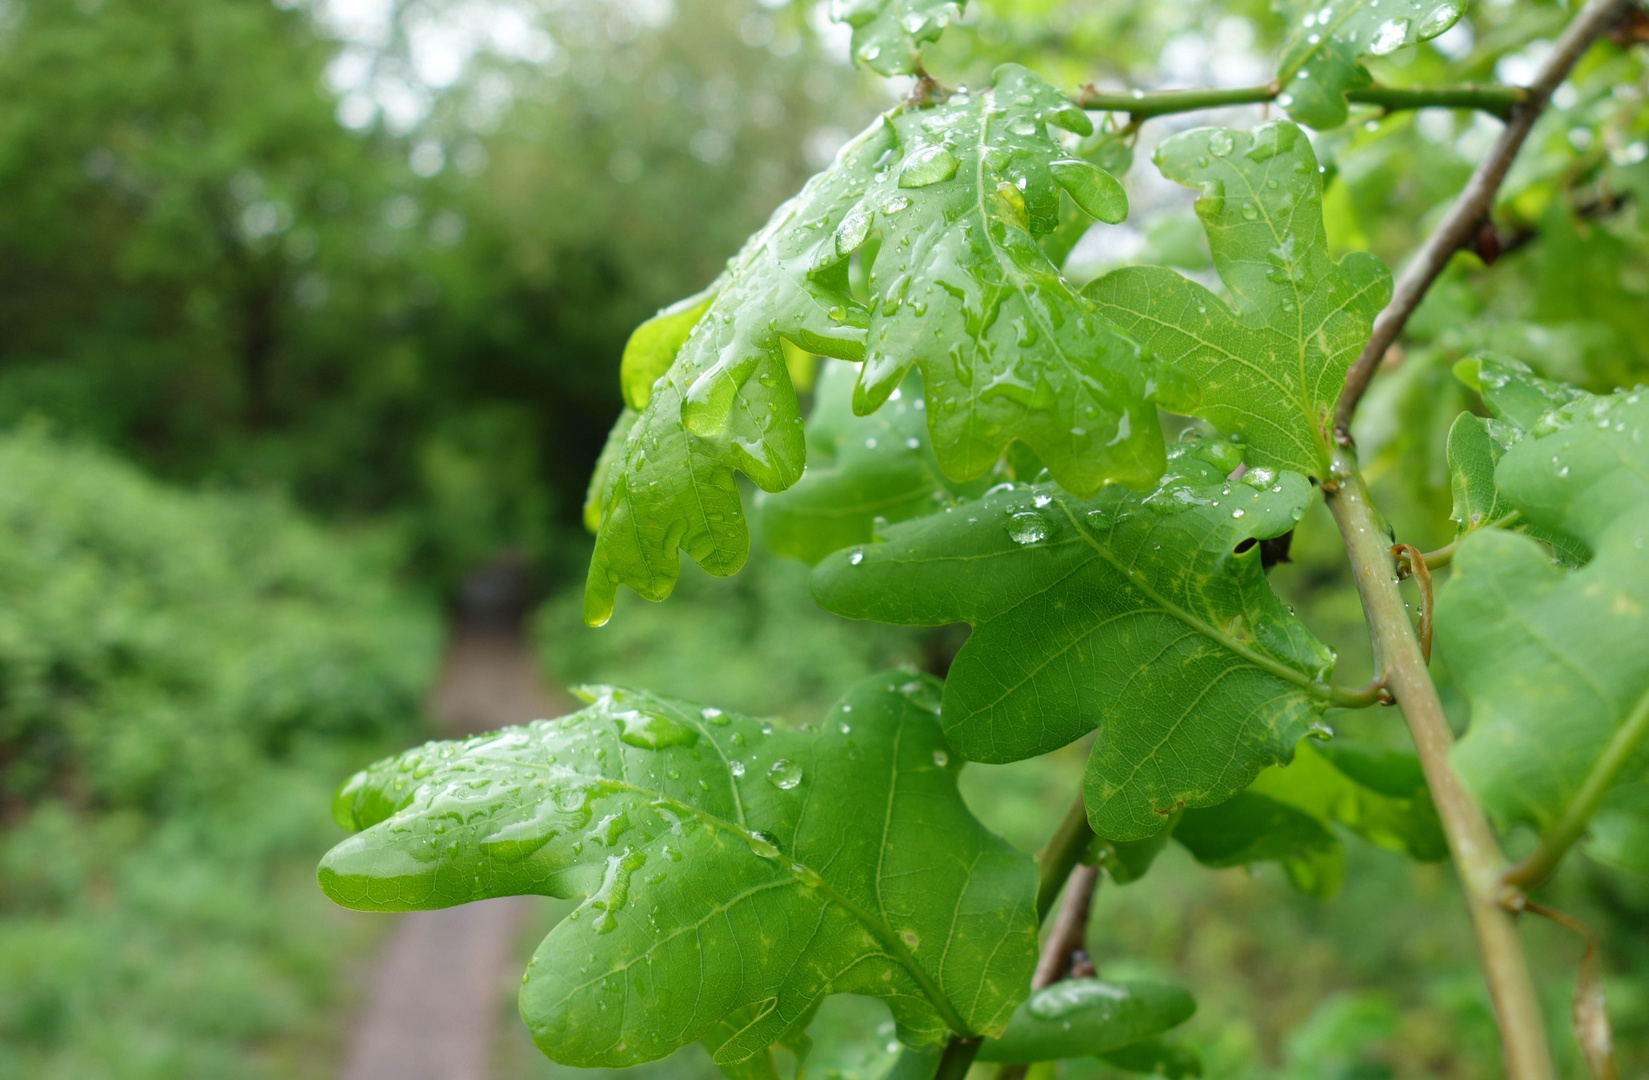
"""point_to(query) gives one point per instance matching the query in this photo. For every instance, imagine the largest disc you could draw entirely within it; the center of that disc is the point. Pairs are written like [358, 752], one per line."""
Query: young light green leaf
[1518, 399]
[888, 35]
[1551, 659]
[863, 472]
[958, 194]
[596, 495]
[1380, 795]
[1145, 615]
[654, 344]
[1474, 449]
[1253, 828]
[1326, 40]
[1087, 1017]
[728, 865]
[1271, 367]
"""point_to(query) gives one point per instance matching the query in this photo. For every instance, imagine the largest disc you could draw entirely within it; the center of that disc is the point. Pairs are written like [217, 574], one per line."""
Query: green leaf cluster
[1146, 615]
[958, 193]
[865, 472]
[1552, 657]
[1268, 365]
[1321, 59]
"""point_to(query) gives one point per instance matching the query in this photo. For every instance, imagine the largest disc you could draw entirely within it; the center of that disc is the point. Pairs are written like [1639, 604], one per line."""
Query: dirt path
[435, 992]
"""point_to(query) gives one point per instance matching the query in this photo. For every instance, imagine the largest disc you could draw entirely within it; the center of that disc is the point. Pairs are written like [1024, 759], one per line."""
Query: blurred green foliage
[182, 677]
[201, 266]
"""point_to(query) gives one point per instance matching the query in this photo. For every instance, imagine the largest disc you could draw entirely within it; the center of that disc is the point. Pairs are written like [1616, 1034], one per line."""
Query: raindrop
[650, 731]
[784, 774]
[855, 557]
[940, 758]
[1389, 36]
[736, 767]
[1027, 527]
[1438, 20]
[1220, 143]
[928, 165]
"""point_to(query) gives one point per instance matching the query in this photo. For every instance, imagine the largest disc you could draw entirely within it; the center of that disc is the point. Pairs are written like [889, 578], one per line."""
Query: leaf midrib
[1219, 637]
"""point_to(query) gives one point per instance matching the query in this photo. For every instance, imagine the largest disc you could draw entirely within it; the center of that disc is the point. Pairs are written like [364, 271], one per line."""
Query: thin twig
[1398, 657]
[1422, 578]
[1464, 218]
[1069, 925]
[1141, 105]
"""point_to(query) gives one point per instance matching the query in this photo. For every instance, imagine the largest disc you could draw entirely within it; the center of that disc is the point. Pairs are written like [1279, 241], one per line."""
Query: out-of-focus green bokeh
[310, 308]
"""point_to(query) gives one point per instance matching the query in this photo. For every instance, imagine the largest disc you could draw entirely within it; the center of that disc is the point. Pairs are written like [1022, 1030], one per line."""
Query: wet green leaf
[1270, 365]
[1087, 1017]
[1327, 38]
[957, 194]
[1518, 399]
[863, 472]
[1133, 613]
[729, 864]
[1553, 659]
[888, 35]
[610, 451]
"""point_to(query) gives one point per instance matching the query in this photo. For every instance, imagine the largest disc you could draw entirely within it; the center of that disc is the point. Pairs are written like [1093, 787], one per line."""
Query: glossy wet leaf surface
[1129, 612]
[863, 472]
[1518, 399]
[1552, 659]
[1327, 39]
[956, 196]
[888, 35]
[1268, 366]
[733, 868]
[1087, 1017]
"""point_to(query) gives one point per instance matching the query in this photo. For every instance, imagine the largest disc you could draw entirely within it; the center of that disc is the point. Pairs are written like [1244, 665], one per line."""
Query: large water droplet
[1439, 19]
[927, 165]
[1220, 143]
[1063, 998]
[1389, 36]
[649, 731]
[1027, 527]
[764, 844]
[784, 774]
[853, 230]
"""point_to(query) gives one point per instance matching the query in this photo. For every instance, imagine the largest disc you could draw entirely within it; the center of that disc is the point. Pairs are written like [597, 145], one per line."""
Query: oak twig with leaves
[986, 446]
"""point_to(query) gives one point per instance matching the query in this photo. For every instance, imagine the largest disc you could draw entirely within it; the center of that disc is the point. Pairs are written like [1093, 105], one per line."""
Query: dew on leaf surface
[1027, 527]
[650, 731]
[1074, 995]
[927, 165]
[784, 774]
